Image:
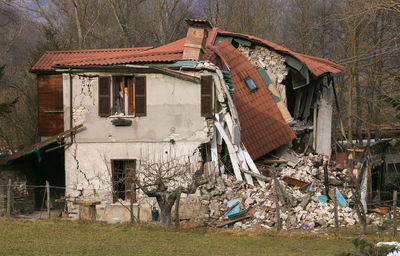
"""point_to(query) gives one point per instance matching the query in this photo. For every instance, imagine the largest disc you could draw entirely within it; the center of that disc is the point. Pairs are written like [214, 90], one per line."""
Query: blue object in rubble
[340, 198]
[234, 210]
[323, 199]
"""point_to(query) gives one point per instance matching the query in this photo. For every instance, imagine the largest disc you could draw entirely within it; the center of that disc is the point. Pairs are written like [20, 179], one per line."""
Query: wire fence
[19, 198]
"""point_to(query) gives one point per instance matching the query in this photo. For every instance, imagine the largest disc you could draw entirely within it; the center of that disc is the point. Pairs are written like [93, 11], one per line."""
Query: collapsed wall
[300, 207]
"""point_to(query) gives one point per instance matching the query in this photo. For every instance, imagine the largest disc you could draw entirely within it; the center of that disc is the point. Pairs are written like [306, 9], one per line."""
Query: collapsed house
[240, 96]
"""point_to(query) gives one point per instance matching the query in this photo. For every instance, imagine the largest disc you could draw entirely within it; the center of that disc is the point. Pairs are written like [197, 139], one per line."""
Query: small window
[250, 83]
[124, 172]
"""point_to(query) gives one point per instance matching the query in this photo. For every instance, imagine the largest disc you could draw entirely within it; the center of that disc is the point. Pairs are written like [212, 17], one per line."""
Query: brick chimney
[195, 39]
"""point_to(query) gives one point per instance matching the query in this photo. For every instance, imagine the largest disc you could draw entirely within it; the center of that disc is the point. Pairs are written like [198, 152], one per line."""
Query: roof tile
[263, 128]
[46, 62]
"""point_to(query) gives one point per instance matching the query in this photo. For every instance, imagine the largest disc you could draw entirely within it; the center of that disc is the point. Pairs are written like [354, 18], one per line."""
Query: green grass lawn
[23, 237]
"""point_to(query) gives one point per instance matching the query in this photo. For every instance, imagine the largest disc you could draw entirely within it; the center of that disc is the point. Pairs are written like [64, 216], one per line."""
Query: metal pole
[138, 213]
[48, 198]
[9, 198]
[131, 202]
[326, 179]
[278, 213]
[395, 213]
[336, 216]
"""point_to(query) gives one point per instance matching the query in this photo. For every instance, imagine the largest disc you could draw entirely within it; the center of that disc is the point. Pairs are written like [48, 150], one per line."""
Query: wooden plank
[214, 151]
[294, 182]
[253, 166]
[232, 152]
[272, 161]
[310, 95]
[40, 144]
[255, 175]
[177, 74]
[242, 159]
[299, 95]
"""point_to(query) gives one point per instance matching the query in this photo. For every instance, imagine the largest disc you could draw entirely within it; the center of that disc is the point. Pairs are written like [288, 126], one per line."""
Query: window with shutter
[104, 96]
[206, 96]
[140, 95]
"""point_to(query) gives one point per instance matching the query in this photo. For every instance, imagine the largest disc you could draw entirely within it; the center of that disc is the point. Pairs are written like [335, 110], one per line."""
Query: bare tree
[166, 178]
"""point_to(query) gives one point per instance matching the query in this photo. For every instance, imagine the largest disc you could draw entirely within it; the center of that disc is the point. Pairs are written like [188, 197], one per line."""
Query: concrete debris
[302, 209]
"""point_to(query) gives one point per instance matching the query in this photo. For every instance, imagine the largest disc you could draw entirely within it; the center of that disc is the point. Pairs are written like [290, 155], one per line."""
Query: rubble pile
[298, 208]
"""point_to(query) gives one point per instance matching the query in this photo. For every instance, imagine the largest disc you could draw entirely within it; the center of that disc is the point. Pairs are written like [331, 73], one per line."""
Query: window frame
[130, 110]
[113, 182]
[247, 81]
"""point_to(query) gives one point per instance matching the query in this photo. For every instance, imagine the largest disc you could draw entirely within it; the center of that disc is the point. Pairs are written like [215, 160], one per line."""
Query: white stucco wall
[173, 112]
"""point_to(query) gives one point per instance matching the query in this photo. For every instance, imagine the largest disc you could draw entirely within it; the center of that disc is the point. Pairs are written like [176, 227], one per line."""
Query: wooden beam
[177, 74]
[255, 175]
[278, 161]
[40, 144]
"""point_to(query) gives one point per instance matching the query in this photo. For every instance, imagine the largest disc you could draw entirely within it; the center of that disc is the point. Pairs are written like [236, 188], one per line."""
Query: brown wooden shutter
[104, 96]
[131, 108]
[206, 96]
[140, 95]
[130, 175]
[59, 98]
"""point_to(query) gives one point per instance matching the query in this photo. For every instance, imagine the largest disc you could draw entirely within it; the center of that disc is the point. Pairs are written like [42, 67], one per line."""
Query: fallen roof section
[263, 128]
[317, 66]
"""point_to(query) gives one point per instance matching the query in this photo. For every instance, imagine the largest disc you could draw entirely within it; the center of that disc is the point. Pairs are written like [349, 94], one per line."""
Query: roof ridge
[139, 54]
[102, 50]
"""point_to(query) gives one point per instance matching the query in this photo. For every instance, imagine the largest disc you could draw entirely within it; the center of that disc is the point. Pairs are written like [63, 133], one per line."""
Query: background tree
[363, 35]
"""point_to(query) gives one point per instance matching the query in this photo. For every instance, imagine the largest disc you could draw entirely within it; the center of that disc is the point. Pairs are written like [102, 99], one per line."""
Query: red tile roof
[166, 53]
[317, 66]
[46, 62]
[263, 128]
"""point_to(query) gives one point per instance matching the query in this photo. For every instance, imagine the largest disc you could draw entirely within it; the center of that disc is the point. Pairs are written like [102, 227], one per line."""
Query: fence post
[131, 202]
[177, 218]
[138, 213]
[395, 213]
[336, 216]
[8, 213]
[48, 198]
[278, 212]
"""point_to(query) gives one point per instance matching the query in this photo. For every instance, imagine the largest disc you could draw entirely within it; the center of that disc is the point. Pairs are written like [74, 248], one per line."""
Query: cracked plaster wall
[173, 112]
